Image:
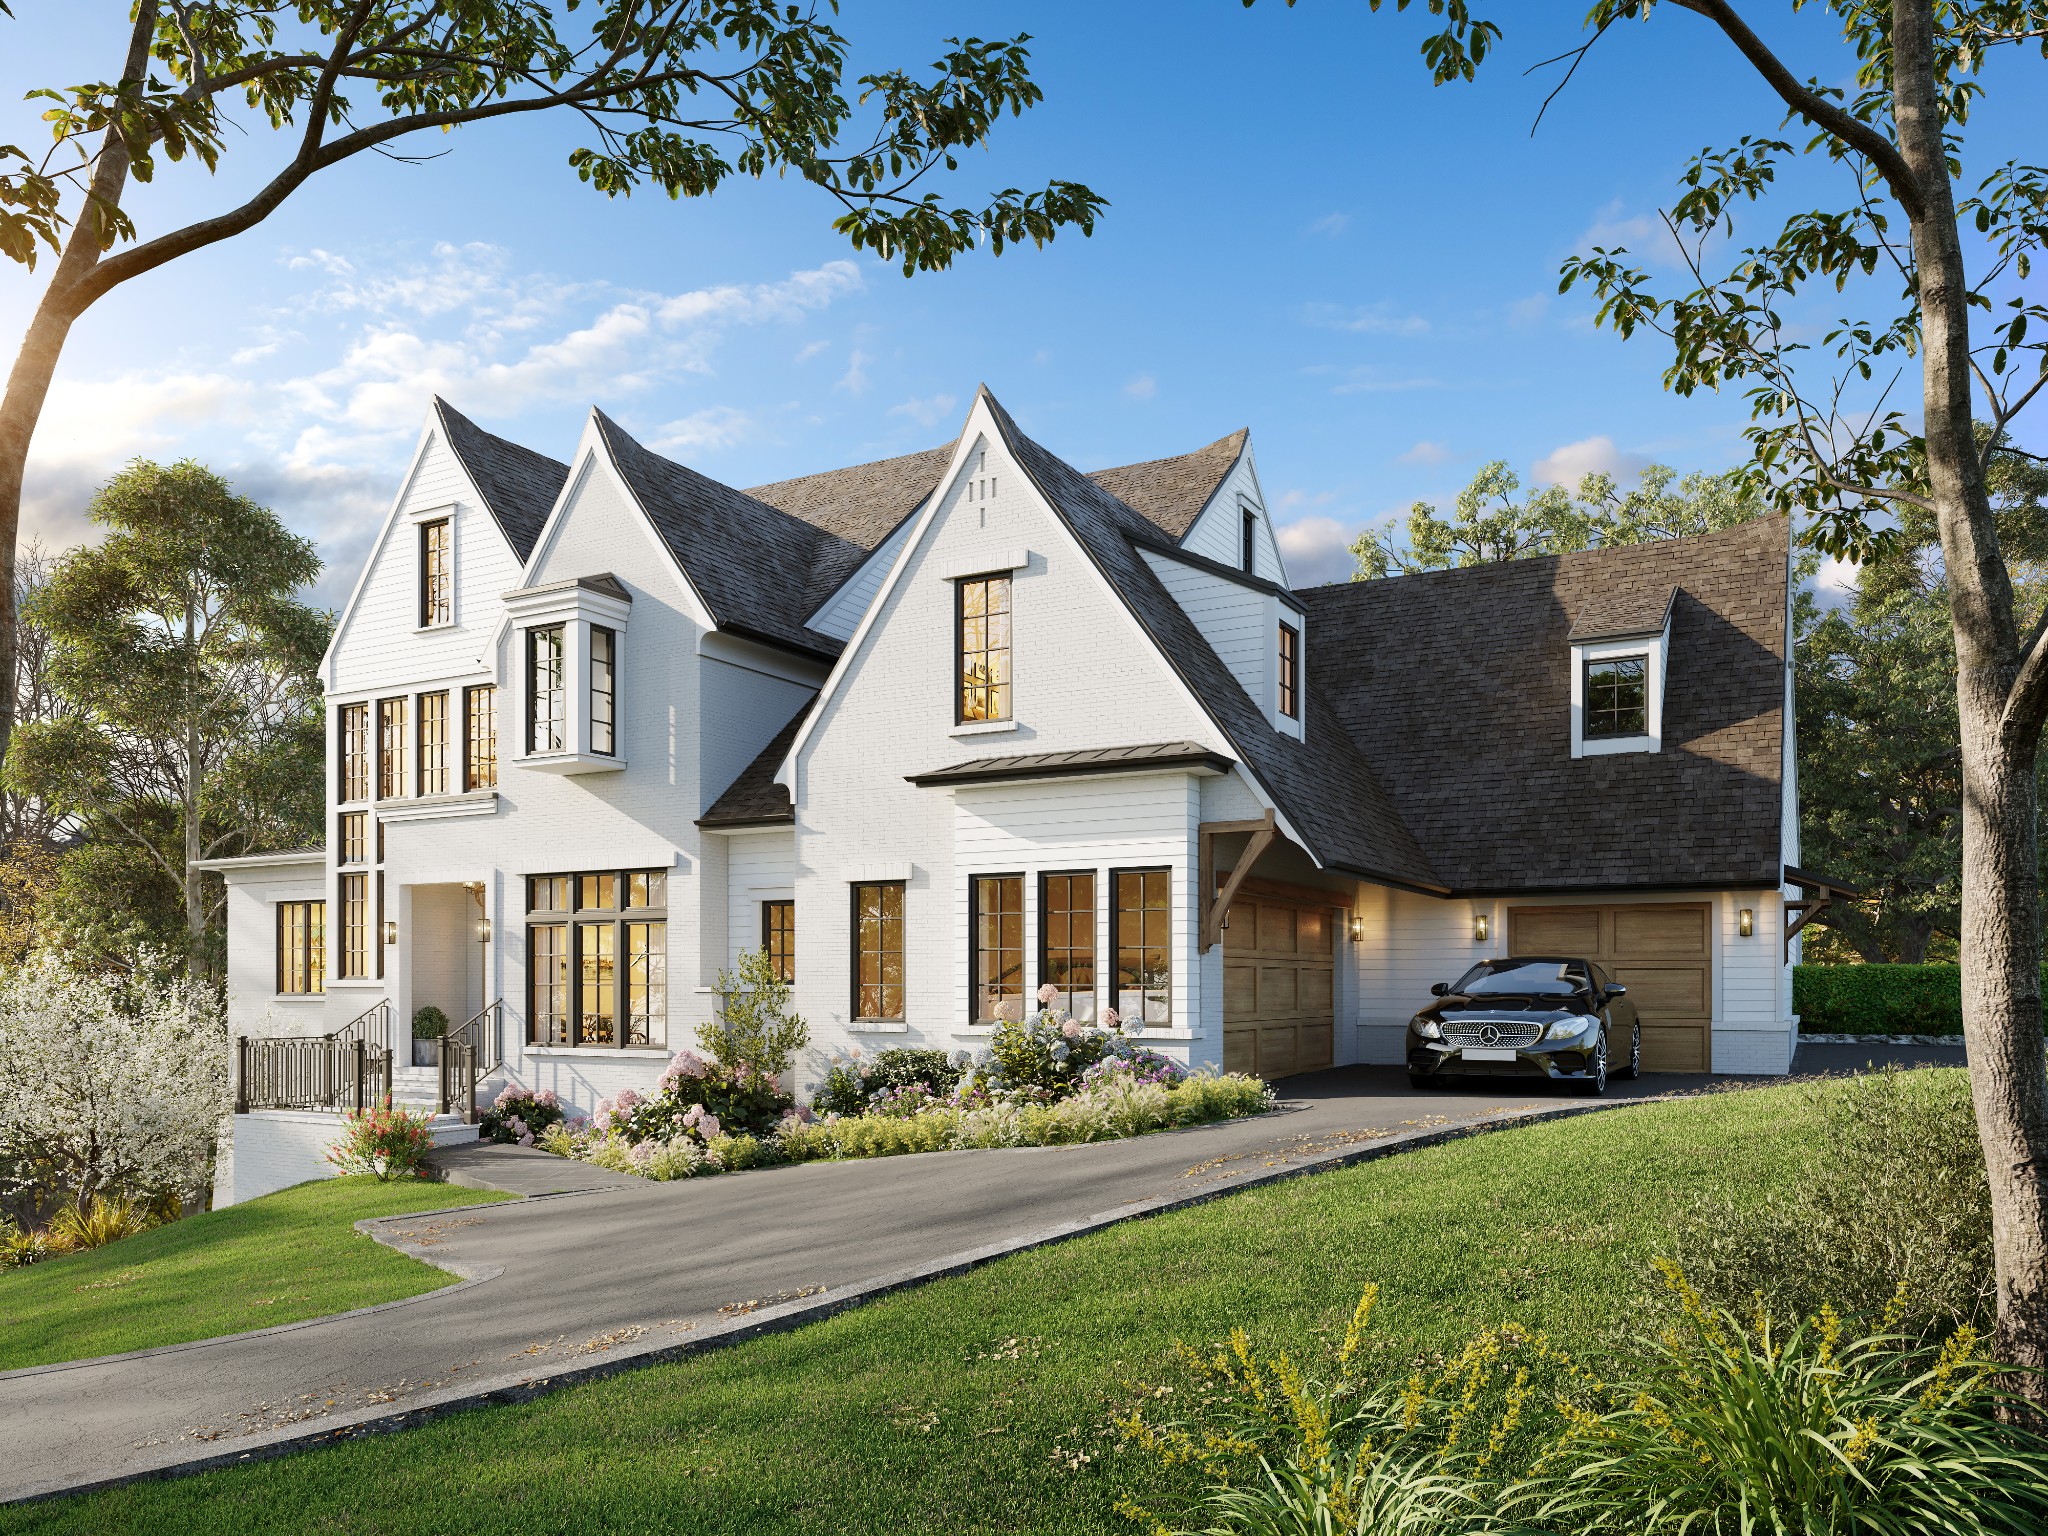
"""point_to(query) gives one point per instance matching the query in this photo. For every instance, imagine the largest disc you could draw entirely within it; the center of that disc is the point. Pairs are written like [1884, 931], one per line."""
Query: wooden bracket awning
[1811, 908]
[1215, 903]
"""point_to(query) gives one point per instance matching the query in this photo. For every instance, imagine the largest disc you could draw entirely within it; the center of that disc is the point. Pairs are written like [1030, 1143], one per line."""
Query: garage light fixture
[1479, 928]
[1745, 923]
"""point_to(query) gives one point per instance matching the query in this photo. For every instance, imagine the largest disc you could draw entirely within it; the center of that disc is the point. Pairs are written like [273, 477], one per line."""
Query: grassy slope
[825, 1429]
[288, 1256]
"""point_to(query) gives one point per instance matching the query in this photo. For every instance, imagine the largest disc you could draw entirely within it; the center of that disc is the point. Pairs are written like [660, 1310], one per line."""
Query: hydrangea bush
[521, 1116]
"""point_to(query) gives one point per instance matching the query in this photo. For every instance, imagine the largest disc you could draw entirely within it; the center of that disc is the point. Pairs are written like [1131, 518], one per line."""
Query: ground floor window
[878, 950]
[1144, 946]
[301, 946]
[597, 958]
[778, 937]
[998, 985]
[1066, 938]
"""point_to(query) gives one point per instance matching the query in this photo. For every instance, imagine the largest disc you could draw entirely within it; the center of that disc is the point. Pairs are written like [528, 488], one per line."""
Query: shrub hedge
[1880, 999]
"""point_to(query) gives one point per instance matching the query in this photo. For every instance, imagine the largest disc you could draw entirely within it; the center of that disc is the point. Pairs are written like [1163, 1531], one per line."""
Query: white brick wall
[274, 1149]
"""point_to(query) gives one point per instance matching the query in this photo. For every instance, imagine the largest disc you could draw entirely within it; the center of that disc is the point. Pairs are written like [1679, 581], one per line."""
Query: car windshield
[1522, 978]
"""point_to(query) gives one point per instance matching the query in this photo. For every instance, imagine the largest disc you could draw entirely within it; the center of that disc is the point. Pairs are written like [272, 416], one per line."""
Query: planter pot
[426, 1051]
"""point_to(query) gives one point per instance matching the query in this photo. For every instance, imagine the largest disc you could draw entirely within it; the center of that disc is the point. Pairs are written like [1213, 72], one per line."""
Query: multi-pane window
[984, 649]
[437, 573]
[354, 956]
[353, 731]
[353, 836]
[1617, 697]
[998, 948]
[480, 737]
[302, 946]
[1290, 671]
[778, 937]
[878, 950]
[1143, 943]
[547, 713]
[597, 958]
[390, 748]
[1066, 928]
[604, 696]
[1248, 549]
[433, 744]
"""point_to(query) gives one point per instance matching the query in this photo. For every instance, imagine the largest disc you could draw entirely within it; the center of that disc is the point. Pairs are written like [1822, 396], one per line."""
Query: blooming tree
[111, 1084]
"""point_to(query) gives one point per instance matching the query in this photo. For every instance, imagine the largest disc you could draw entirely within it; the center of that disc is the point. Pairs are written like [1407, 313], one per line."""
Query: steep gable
[1171, 493]
[517, 485]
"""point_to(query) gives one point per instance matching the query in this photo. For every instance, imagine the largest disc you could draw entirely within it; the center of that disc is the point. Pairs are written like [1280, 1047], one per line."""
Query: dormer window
[1290, 671]
[570, 640]
[1620, 650]
[1249, 548]
[1617, 697]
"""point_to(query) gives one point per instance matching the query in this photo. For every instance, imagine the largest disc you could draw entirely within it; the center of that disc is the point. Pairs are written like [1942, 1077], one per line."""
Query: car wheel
[1417, 1080]
[1596, 1074]
[1634, 1069]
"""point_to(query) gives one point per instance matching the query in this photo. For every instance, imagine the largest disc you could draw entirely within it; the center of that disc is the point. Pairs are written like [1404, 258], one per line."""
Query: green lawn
[288, 1256]
[940, 1410]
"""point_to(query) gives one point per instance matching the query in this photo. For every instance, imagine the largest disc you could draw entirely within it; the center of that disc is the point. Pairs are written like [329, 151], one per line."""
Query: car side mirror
[1440, 989]
[1617, 991]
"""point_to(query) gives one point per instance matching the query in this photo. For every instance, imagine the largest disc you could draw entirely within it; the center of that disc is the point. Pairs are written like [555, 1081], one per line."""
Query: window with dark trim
[984, 646]
[353, 957]
[1290, 671]
[1617, 697]
[597, 958]
[878, 950]
[547, 713]
[352, 834]
[377, 941]
[997, 984]
[301, 947]
[390, 748]
[1066, 941]
[352, 728]
[1249, 546]
[480, 737]
[433, 744]
[1143, 941]
[437, 573]
[778, 937]
[604, 657]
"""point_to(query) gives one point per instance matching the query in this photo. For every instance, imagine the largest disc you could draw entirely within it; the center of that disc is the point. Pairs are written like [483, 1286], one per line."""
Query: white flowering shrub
[108, 1084]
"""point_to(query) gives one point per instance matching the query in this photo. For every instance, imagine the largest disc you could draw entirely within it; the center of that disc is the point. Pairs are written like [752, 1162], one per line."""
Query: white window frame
[1654, 651]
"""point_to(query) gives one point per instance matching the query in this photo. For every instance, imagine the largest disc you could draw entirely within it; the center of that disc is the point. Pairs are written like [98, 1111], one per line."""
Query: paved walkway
[568, 1284]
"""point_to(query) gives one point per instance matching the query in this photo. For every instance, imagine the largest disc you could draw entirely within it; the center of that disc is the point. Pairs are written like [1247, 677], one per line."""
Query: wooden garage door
[1660, 951]
[1279, 986]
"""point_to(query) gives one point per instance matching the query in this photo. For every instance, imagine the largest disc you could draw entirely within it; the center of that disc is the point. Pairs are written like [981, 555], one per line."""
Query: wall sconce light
[1745, 923]
[1480, 928]
[483, 930]
[390, 930]
[1357, 929]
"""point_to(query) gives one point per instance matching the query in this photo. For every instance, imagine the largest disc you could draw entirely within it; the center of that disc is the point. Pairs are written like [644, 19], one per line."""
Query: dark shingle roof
[517, 484]
[1324, 786]
[863, 503]
[1094, 760]
[1457, 687]
[1170, 493]
[1625, 610]
[754, 799]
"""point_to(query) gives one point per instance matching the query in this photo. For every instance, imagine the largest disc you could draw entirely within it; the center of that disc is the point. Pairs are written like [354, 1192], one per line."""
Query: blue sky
[1304, 237]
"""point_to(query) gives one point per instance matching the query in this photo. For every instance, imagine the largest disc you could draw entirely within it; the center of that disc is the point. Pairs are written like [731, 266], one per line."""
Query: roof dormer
[1621, 651]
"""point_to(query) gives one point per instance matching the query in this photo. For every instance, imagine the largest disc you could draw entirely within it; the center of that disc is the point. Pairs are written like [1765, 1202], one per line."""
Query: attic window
[1617, 697]
[1250, 544]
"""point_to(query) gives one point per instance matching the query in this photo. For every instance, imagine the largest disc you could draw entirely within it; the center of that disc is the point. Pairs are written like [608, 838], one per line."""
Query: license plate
[1488, 1053]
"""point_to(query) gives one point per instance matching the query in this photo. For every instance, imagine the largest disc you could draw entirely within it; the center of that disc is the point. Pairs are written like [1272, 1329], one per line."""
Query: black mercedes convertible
[1527, 1016]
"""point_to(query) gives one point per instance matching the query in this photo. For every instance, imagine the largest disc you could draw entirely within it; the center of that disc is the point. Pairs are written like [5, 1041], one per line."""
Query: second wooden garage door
[1279, 987]
[1660, 951]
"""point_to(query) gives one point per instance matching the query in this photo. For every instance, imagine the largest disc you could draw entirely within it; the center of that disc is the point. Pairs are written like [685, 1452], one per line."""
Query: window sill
[1607, 746]
[600, 1052]
[435, 629]
[355, 984]
[879, 1027]
[571, 763]
[298, 997]
[476, 802]
[985, 728]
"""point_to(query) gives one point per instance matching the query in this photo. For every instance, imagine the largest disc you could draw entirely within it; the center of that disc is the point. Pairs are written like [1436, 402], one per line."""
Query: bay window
[547, 709]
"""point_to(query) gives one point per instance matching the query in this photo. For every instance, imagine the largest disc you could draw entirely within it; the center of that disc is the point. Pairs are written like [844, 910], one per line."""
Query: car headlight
[1566, 1029]
[1428, 1029]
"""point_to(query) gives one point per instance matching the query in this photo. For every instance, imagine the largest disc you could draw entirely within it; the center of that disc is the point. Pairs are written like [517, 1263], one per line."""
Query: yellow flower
[1361, 1315]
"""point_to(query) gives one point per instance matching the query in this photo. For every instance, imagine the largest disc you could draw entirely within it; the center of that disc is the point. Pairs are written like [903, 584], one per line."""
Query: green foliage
[1045, 1055]
[384, 1143]
[1490, 523]
[98, 1221]
[754, 1026]
[429, 1023]
[853, 1081]
[1893, 1218]
[1879, 999]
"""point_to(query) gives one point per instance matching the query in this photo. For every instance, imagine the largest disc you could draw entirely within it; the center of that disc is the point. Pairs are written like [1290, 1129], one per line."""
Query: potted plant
[429, 1024]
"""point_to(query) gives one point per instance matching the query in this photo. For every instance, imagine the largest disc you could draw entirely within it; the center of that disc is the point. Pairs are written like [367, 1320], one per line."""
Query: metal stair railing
[469, 1054]
[372, 1026]
[309, 1072]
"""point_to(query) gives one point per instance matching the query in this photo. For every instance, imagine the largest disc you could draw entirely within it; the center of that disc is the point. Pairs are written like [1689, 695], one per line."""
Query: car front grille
[1515, 1034]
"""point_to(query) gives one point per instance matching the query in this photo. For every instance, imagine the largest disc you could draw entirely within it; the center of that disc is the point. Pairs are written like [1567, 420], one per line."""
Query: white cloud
[1380, 319]
[855, 380]
[1837, 580]
[1330, 224]
[1426, 452]
[716, 426]
[811, 350]
[927, 412]
[1141, 386]
[1590, 455]
[1613, 226]
[1317, 549]
[1529, 311]
[1371, 381]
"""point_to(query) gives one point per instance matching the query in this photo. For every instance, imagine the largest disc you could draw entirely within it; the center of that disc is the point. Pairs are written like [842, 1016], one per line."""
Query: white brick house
[942, 728]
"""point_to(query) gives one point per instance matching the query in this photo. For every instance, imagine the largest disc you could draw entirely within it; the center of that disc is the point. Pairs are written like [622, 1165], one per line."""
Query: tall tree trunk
[2001, 943]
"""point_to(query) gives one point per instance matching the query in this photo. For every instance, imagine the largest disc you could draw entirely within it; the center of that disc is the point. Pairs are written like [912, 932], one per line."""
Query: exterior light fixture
[1357, 928]
[1745, 922]
[390, 930]
[1480, 927]
[483, 930]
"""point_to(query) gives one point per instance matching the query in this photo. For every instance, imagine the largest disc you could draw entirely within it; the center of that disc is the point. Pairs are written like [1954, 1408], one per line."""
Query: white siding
[842, 612]
[1237, 621]
[1219, 532]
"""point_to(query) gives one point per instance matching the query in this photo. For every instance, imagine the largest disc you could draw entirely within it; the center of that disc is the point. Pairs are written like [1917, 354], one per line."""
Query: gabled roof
[1625, 609]
[1323, 785]
[1171, 493]
[1457, 687]
[754, 799]
[518, 485]
[862, 503]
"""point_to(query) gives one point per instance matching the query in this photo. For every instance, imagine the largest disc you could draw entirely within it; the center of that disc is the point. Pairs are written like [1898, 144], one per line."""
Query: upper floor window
[604, 656]
[984, 631]
[1249, 547]
[878, 950]
[355, 926]
[354, 837]
[998, 948]
[437, 572]
[480, 737]
[352, 727]
[390, 748]
[1617, 697]
[301, 947]
[778, 937]
[433, 744]
[1290, 671]
[547, 721]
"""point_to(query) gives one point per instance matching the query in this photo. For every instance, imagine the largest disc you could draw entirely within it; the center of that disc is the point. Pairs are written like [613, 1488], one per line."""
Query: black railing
[469, 1054]
[372, 1026]
[310, 1072]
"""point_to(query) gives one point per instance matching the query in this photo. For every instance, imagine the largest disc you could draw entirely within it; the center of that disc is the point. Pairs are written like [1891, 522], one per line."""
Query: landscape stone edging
[1823, 1039]
[780, 1318]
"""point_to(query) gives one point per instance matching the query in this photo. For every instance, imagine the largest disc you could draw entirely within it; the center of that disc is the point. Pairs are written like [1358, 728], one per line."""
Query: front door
[1279, 987]
[1659, 950]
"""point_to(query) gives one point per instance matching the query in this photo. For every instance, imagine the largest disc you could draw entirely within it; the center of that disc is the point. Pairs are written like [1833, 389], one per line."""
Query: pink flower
[626, 1100]
[526, 1140]
[1111, 1018]
[688, 1064]
[1048, 995]
[1071, 1030]
[708, 1127]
